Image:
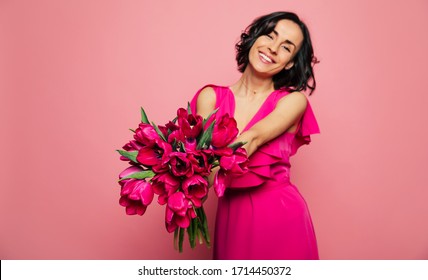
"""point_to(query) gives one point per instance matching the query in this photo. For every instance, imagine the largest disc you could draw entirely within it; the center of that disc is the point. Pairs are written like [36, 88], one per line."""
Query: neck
[254, 84]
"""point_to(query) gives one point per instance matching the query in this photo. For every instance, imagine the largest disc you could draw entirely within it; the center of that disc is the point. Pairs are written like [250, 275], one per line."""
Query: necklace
[251, 90]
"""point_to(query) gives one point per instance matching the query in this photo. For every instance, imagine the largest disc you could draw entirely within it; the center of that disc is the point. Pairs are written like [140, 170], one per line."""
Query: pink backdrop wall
[73, 75]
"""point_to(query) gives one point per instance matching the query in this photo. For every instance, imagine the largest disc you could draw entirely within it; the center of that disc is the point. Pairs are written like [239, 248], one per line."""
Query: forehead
[289, 30]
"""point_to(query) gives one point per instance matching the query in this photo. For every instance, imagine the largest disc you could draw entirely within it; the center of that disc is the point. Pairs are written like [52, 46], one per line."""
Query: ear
[289, 65]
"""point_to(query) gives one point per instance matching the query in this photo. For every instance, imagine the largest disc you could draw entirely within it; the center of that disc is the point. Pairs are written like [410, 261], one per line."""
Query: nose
[273, 47]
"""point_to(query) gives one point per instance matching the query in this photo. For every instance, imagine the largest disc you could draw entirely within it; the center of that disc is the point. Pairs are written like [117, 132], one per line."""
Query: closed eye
[286, 48]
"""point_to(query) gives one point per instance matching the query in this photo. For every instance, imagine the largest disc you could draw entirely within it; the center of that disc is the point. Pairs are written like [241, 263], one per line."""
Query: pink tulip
[200, 161]
[180, 165]
[156, 156]
[190, 125]
[195, 188]
[172, 126]
[176, 136]
[175, 133]
[136, 195]
[178, 203]
[164, 185]
[138, 190]
[236, 164]
[178, 212]
[224, 151]
[173, 221]
[190, 144]
[133, 207]
[225, 131]
[128, 171]
[221, 180]
[132, 146]
[146, 134]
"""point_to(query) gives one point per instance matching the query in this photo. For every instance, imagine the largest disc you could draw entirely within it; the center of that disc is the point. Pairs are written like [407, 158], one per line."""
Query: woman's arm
[205, 105]
[206, 102]
[287, 112]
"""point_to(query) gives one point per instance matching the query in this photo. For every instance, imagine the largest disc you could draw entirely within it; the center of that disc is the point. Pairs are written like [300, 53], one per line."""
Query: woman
[262, 214]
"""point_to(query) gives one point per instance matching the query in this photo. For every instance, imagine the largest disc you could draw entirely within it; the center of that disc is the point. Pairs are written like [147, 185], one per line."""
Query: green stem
[176, 239]
[191, 235]
[203, 226]
[180, 240]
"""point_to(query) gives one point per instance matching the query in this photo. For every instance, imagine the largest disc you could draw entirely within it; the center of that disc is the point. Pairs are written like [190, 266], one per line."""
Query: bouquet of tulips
[174, 161]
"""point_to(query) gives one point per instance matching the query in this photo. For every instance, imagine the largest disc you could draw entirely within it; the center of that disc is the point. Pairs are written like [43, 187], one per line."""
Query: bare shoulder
[207, 95]
[206, 101]
[296, 100]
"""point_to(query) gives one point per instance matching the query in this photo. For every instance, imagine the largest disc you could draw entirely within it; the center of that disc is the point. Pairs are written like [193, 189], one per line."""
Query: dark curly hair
[300, 76]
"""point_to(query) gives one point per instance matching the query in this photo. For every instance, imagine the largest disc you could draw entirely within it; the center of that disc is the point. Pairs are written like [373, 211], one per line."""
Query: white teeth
[265, 57]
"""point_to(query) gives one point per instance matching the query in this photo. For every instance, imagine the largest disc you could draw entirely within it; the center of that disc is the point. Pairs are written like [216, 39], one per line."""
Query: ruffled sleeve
[308, 125]
[260, 167]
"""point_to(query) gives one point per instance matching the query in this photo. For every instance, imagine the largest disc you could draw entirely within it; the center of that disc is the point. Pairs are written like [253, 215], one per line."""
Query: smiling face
[273, 52]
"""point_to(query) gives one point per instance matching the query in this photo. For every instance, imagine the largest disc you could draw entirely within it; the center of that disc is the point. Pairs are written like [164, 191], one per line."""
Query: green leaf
[158, 131]
[236, 145]
[140, 175]
[189, 110]
[182, 148]
[206, 137]
[209, 116]
[132, 156]
[132, 130]
[144, 118]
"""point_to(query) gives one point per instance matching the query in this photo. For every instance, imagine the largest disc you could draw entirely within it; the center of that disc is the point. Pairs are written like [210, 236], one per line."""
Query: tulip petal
[182, 221]
[148, 156]
[220, 183]
[130, 170]
[177, 202]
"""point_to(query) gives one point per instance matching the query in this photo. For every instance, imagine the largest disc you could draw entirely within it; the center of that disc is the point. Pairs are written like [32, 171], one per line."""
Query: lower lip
[264, 60]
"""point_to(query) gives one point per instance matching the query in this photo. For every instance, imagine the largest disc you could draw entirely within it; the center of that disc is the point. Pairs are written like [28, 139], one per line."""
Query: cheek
[285, 58]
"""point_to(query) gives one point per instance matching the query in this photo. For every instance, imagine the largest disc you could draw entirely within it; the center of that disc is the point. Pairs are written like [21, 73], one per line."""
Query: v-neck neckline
[233, 109]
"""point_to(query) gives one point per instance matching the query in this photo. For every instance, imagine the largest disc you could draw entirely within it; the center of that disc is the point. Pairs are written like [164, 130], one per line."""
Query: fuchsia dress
[262, 215]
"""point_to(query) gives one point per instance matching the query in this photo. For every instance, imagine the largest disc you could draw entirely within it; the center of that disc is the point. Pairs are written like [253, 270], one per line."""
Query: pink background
[73, 75]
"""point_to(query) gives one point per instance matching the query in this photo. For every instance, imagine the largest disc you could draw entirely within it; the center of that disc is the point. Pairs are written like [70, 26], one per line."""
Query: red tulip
[236, 164]
[225, 131]
[224, 151]
[180, 165]
[164, 185]
[156, 156]
[128, 171]
[133, 207]
[200, 161]
[190, 144]
[136, 195]
[221, 180]
[178, 212]
[146, 134]
[195, 188]
[132, 146]
[138, 190]
[190, 125]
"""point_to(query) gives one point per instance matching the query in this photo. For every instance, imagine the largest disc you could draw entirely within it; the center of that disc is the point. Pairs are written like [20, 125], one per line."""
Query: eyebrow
[286, 41]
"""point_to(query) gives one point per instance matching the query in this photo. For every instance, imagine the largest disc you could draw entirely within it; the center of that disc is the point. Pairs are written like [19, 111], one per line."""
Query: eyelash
[270, 37]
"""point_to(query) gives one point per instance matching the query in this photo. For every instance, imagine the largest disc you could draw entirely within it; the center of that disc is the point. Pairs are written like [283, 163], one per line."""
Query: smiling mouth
[265, 58]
